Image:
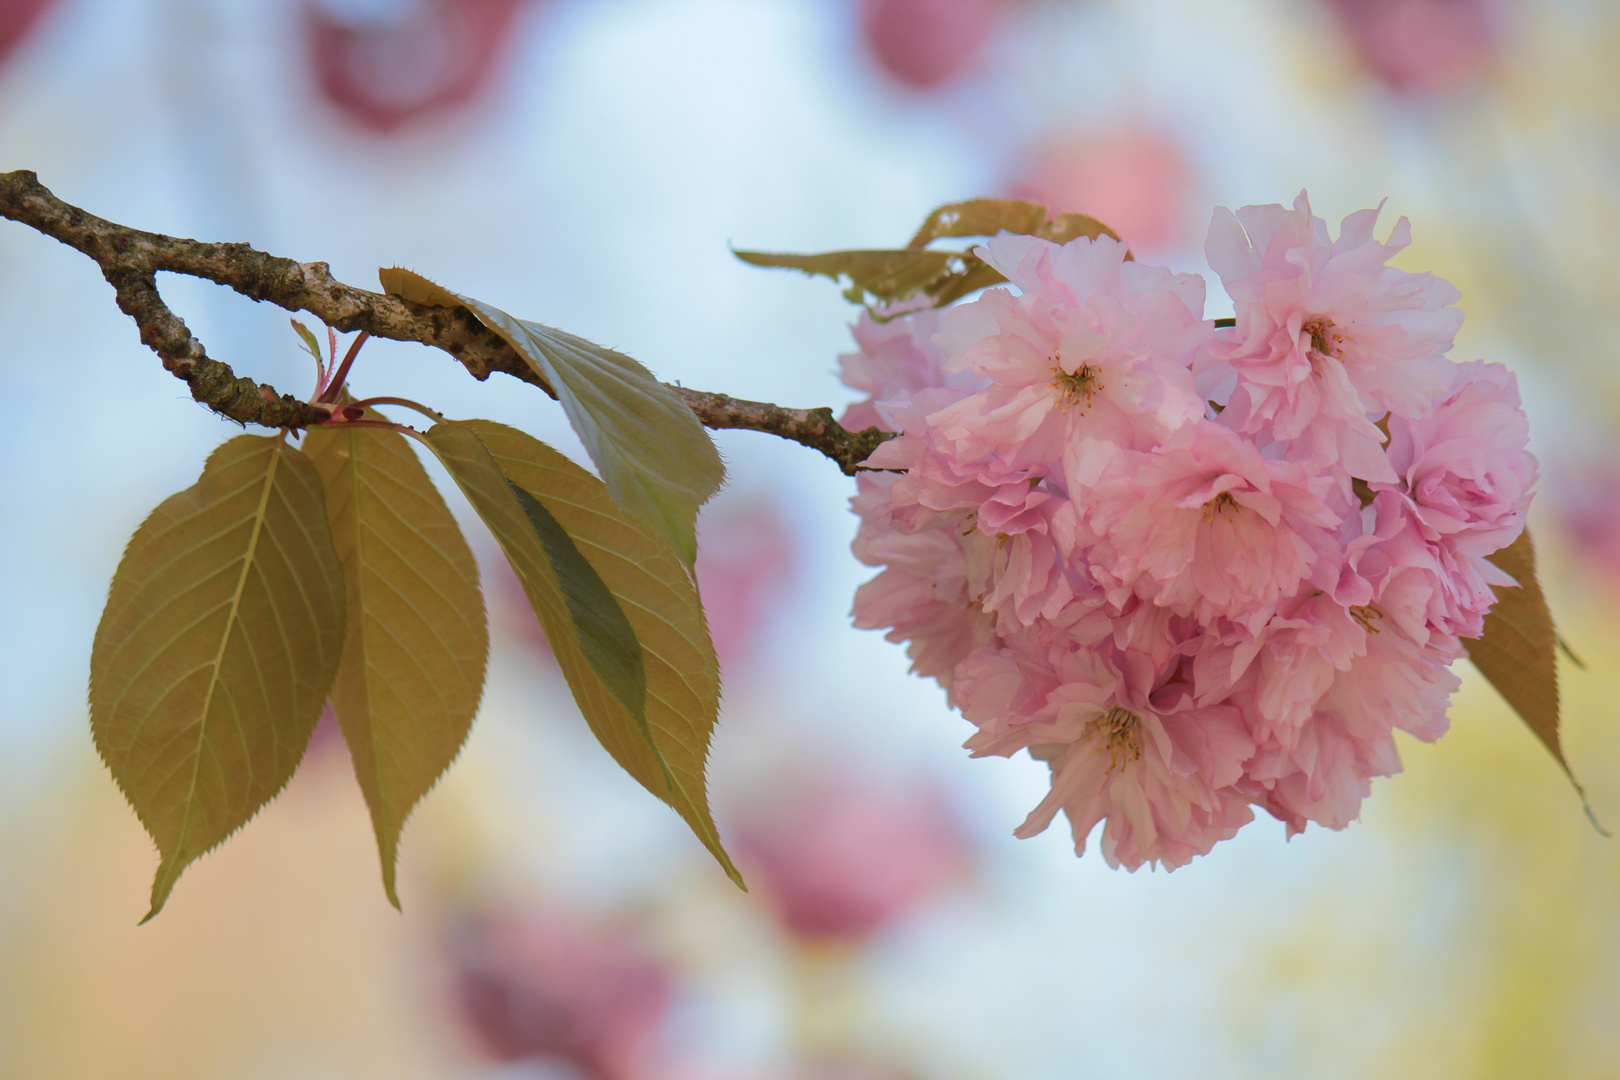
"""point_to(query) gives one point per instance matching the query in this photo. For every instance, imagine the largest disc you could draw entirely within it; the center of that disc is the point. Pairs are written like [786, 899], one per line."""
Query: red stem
[403, 402]
[335, 387]
[403, 429]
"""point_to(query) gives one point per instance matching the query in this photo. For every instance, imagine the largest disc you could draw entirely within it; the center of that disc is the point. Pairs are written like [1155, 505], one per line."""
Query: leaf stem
[403, 429]
[435, 416]
[335, 387]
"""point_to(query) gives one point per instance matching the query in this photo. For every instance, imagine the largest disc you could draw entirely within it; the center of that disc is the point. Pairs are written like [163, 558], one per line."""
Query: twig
[814, 428]
[130, 260]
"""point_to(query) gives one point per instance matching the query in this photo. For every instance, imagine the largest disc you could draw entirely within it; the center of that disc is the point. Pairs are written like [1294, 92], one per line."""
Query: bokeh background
[587, 163]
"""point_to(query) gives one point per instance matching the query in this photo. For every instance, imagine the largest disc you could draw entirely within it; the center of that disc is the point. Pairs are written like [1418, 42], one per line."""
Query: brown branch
[814, 428]
[130, 259]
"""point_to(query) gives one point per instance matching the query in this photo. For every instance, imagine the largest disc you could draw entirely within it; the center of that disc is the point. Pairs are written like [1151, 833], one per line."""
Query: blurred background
[586, 163]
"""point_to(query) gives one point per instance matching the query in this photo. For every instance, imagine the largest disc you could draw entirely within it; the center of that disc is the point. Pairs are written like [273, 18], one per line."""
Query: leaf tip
[411, 286]
[1563, 647]
[162, 885]
[390, 861]
[711, 840]
[1592, 817]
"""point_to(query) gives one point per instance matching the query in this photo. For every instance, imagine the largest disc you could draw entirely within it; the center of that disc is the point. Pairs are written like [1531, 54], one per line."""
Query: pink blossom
[1282, 672]
[1464, 484]
[1328, 338]
[1093, 347]
[1152, 765]
[1190, 608]
[1464, 465]
[1396, 682]
[896, 360]
[922, 594]
[1323, 777]
[1126, 744]
[1209, 527]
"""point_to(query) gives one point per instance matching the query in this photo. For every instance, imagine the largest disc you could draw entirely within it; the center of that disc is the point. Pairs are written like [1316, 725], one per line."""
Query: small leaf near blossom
[878, 278]
[1516, 653]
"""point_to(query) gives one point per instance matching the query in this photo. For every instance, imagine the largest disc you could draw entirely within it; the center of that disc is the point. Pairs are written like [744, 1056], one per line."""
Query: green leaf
[981, 217]
[604, 631]
[1066, 227]
[882, 277]
[987, 217]
[976, 274]
[1516, 652]
[667, 752]
[409, 285]
[413, 660]
[875, 277]
[656, 459]
[219, 643]
[576, 608]
[658, 596]
[311, 342]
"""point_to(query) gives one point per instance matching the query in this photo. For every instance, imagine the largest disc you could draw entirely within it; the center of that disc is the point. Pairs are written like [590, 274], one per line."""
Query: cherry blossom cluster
[1194, 569]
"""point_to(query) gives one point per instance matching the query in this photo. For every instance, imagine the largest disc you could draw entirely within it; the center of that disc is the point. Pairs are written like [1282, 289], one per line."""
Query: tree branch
[814, 428]
[130, 260]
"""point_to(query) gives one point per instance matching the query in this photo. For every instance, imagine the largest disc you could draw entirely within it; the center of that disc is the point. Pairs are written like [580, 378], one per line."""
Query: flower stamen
[1326, 339]
[1118, 728]
[1219, 504]
[1074, 385]
[1365, 614]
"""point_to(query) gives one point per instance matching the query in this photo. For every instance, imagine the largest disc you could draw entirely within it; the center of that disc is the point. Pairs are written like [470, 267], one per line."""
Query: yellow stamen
[1072, 386]
[1326, 339]
[1118, 728]
[1365, 614]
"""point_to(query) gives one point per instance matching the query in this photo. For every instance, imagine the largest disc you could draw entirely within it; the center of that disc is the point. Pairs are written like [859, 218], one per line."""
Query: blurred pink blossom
[1421, 45]
[842, 1069]
[827, 1069]
[1134, 181]
[925, 43]
[840, 857]
[17, 19]
[414, 58]
[540, 983]
[1588, 500]
[327, 738]
[746, 562]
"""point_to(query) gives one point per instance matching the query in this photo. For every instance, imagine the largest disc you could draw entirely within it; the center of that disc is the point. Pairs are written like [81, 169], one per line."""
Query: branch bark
[130, 259]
